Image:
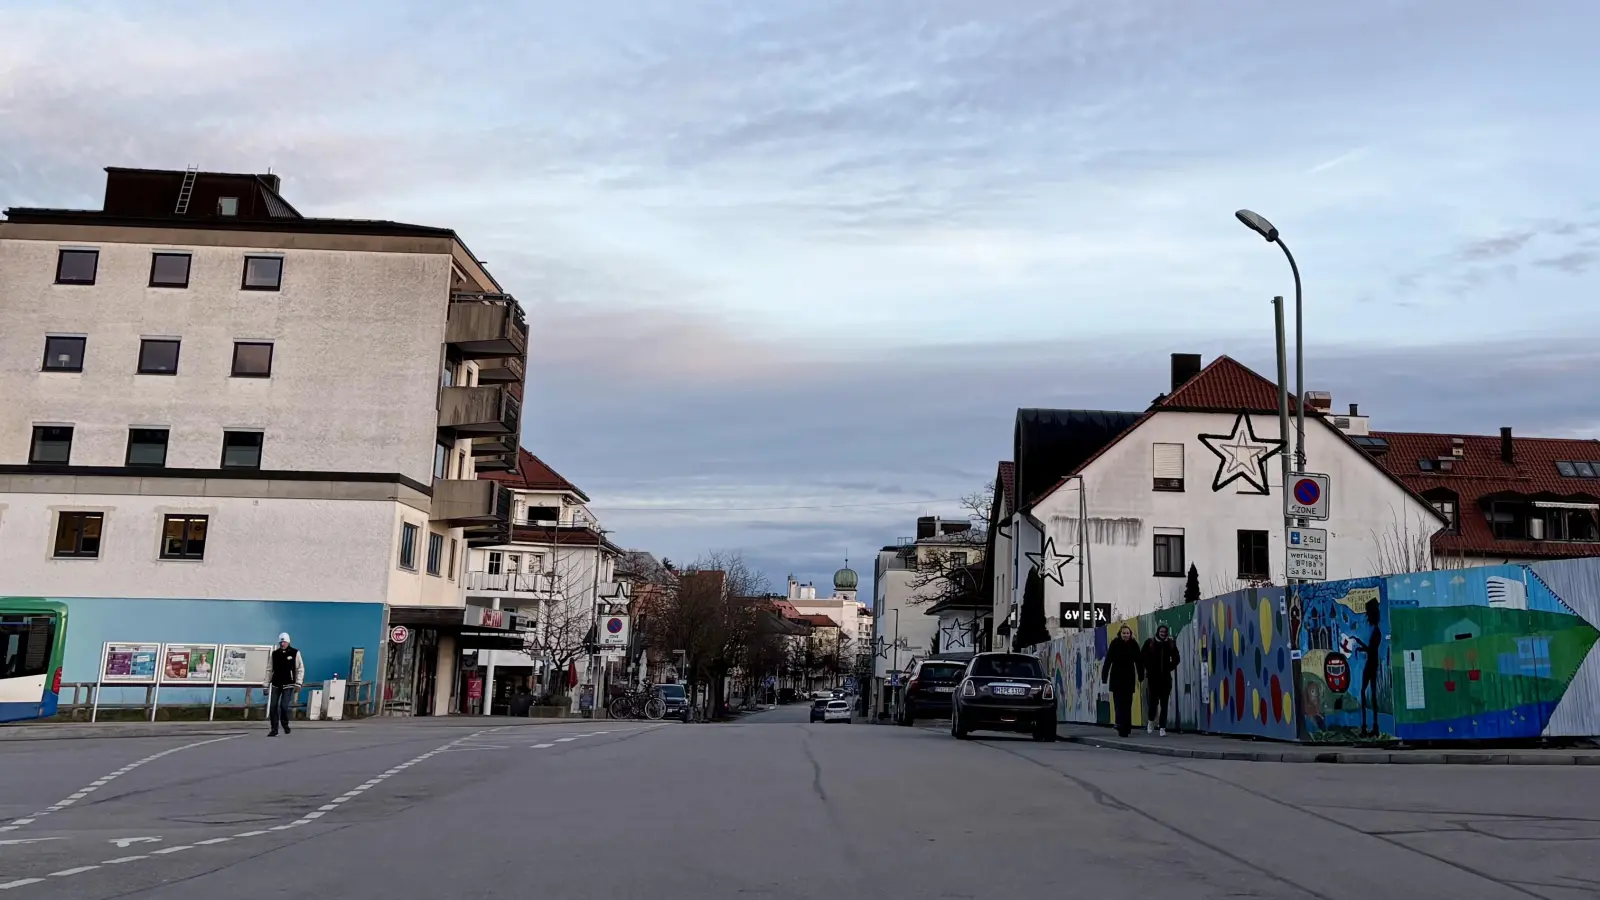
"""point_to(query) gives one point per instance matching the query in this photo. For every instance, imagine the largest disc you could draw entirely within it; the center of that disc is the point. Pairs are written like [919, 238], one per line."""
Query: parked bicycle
[635, 704]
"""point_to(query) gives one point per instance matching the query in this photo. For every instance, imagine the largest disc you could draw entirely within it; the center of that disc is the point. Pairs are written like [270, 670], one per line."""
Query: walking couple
[1127, 664]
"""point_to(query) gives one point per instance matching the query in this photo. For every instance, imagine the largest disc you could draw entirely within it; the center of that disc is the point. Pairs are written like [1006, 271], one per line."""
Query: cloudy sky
[792, 266]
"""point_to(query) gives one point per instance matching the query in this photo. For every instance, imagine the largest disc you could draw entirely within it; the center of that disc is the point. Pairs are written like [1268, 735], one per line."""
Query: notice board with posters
[129, 663]
[189, 664]
[245, 664]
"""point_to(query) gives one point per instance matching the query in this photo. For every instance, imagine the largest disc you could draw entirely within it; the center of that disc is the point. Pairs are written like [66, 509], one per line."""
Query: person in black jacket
[288, 674]
[1123, 670]
[1160, 661]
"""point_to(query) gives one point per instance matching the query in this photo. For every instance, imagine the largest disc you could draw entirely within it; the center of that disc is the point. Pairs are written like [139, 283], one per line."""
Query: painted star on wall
[957, 633]
[1242, 454]
[1049, 562]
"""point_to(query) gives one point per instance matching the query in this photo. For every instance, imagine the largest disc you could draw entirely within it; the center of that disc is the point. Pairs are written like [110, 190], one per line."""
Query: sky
[791, 266]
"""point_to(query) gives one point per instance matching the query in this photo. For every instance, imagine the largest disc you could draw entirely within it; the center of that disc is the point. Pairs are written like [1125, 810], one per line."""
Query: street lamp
[1258, 223]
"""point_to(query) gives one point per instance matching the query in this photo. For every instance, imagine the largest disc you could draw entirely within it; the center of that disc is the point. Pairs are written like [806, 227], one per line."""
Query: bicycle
[638, 705]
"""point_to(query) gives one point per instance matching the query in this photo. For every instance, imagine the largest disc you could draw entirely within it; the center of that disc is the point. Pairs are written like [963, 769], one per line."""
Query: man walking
[288, 672]
[1123, 670]
[1160, 661]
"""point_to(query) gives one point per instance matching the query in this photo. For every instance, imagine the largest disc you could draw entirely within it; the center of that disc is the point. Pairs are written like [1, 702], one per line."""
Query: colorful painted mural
[1246, 664]
[1498, 652]
[1490, 653]
[1345, 690]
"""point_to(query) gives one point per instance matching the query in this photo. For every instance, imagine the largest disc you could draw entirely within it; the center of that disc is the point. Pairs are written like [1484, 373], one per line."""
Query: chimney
[1507, 454]
[272, 181]
[1184, 367]
[1354, 410]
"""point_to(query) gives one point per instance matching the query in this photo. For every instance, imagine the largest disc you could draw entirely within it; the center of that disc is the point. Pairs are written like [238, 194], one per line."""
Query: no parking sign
[1306, 496]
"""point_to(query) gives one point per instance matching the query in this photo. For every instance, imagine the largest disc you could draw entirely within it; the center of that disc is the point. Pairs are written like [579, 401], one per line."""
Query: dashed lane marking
[102, 781]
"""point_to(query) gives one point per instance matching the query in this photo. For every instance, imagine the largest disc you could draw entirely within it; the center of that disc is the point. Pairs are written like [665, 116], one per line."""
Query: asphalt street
[769, 806]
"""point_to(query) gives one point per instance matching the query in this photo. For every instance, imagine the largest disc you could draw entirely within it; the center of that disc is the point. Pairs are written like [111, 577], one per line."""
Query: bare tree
[1403, 547]
[952, 570]
[712, 611]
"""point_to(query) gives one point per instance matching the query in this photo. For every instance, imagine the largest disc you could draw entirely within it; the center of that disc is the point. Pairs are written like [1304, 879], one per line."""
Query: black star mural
[1242, 454]
[957, 633]
[1049, 562]
[880, 647]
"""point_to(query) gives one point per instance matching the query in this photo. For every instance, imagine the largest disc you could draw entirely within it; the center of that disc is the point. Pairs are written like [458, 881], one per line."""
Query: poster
[358, 659]
[244, 664]
[130, 663]
[189, 664]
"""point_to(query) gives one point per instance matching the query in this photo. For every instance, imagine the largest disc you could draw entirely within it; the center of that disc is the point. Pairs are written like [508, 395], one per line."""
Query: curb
[1348, 757]
[64, 731]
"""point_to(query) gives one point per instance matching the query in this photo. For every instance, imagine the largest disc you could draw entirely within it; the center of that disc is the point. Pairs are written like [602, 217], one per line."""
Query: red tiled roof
[1480, 473]
[533, 474]
[1007, 479]
[1225, 385]
[818, 620]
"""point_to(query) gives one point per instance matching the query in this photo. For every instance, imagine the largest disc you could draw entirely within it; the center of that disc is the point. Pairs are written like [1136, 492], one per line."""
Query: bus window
[25, 646]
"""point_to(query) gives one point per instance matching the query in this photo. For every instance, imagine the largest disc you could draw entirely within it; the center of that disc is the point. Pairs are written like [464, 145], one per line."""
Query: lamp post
[1257, 223]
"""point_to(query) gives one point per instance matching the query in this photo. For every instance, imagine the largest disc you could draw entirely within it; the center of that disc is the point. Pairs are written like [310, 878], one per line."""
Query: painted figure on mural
[1123, 670]
[1160, 662]
[1371, 648]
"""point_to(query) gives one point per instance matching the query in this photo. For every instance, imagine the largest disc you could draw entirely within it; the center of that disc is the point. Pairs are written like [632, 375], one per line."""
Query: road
[769, 806]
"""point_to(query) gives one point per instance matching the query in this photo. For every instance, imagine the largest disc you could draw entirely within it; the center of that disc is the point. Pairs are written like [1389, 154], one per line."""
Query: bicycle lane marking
[84, 792]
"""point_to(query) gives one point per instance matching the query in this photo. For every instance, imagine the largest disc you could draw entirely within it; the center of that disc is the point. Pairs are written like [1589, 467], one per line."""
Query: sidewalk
[58, 731]
[1208, 746]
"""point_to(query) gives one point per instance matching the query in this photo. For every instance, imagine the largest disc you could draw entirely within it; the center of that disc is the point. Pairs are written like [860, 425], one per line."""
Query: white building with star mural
[1193, 481]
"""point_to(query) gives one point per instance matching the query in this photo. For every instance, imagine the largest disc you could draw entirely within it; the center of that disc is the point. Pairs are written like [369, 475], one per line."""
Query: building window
[77, 266]
[496, 560]
[252, 359]
[1168, 467]
[158, 356]
[452, 566]
[408, 546]
[147, 447]
[1169, 554]
[1447, 508]
[263, 273]
[63, 354]
[169, 270]
[1508, 521]
[78, 535]
[1577, 468]
[184, 537]
[227, 206]
[52, 445]
[441, 459]
[435, 553]
[538, 514]
[241, 449]
[1253, 562]
[958, 557]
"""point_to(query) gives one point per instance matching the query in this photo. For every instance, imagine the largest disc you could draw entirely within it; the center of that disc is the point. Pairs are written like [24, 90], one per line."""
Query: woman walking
[1123, 670]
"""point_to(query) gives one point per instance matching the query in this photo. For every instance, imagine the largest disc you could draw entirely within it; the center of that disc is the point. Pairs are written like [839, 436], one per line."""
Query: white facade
[344, 509]
[1126, 513]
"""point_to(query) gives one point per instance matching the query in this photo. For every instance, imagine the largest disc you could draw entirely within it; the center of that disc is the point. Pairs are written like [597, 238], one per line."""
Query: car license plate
[943, 690]
[1011, 691]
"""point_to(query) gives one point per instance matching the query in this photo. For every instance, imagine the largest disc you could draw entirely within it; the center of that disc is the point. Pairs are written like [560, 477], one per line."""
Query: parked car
[932, 683]
[676, 699]
[1005, 692]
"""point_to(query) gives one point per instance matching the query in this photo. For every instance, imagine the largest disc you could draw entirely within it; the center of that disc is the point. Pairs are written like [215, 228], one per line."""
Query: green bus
[33, 646]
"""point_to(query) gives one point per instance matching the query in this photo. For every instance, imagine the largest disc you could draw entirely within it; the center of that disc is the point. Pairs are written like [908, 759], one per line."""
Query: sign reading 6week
[1306, 496]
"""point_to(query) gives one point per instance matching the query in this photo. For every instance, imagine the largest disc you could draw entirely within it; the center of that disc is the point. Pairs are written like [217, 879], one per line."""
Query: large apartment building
[225, 420]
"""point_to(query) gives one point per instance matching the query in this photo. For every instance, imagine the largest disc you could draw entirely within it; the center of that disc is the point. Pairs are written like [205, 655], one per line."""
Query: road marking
[124, 843]
[65, 872]
[30, 840]
[245, 834]
[122, 859]
[541, 746]
[221, 840]
[19, 883]
[165, 850]
[83, 792]
[564, 740]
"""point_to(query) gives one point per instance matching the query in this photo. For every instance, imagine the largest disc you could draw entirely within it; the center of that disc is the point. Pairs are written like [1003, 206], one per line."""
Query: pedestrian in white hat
[288, 673]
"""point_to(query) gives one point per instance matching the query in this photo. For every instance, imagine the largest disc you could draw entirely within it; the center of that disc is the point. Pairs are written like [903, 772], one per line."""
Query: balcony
[510, 584]
[472, 504]
[498, 445]
[500, 462]
[486, 326]
[473, 411]
[509, 371]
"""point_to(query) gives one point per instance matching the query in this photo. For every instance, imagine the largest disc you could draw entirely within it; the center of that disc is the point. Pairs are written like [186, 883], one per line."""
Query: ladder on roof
[187, 191]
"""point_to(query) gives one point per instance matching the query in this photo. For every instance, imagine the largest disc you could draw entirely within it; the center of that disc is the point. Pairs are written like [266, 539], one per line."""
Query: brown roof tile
[1225, 385]
[533, 474]
[1480, 474]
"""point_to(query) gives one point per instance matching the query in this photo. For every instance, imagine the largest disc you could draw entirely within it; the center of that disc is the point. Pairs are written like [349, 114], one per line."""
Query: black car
[817, 709]
[1005, 692]
[929, 689]
[676, 699]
